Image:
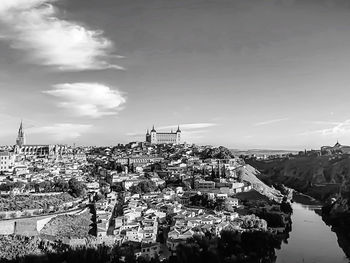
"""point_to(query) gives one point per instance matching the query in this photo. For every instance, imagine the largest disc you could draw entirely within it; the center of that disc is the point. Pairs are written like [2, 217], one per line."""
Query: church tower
[21, 138]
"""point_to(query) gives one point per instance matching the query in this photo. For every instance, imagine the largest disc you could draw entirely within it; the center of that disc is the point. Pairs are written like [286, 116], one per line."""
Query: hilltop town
[149, 200]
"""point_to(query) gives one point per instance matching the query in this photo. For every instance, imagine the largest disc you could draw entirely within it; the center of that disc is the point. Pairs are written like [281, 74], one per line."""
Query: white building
[7, 161]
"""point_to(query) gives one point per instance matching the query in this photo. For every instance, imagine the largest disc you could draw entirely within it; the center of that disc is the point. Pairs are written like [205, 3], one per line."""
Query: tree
[117, 187]
[76, 188]
[104, 187]
[135, 189]
[61, 185]
[286, 207]
[46, 186]
[147, 186]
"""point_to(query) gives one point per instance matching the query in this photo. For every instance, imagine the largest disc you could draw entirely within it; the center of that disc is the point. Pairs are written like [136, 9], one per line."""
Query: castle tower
[178, 135]
[21, 139]
[148, 136]
[153, 135]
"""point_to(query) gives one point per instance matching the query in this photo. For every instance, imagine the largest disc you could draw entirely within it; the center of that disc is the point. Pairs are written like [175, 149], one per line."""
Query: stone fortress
[171, 137]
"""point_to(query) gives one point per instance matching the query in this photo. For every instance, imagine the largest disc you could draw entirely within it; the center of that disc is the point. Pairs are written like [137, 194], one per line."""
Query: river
[311, 240]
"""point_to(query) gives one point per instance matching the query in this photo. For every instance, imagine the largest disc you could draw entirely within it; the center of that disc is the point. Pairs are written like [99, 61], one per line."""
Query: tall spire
[178, 128]
[21, 136]
[153, 130]
[20, 130]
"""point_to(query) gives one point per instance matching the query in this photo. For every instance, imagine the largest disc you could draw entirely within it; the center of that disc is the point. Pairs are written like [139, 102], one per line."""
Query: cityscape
[174, 131]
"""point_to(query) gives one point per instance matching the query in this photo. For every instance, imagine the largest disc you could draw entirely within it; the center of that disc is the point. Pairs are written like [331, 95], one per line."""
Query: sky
[246, 74]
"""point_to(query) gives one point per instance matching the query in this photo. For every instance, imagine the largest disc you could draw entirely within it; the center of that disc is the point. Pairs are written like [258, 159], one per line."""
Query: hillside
[324, 177]
[321, 176]
[250, 174]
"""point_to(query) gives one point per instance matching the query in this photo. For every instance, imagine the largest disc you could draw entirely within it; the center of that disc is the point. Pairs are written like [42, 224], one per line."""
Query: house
[173, 243]
[150, 250]
[231, 203]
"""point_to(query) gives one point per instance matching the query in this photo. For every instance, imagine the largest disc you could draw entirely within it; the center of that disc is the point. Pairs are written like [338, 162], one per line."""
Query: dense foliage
[76, 188]
[231, 246]
[143, 187]
[217, 153]
[23, 202]
[69, 226]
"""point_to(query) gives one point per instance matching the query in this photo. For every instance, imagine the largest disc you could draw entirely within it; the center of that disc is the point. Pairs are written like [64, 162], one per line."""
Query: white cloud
[336, 129]
[88, 99]
[33, 25]
[62, 131]
[270, 122]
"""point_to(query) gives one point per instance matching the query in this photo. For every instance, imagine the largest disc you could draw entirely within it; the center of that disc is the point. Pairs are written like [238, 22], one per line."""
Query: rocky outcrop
[249, 174]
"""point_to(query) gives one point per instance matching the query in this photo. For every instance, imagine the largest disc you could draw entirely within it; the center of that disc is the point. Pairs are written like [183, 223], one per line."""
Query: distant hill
[261, 152]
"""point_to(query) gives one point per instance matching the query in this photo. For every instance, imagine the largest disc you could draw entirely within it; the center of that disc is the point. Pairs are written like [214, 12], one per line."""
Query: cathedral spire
[20, 130]
[21, 136]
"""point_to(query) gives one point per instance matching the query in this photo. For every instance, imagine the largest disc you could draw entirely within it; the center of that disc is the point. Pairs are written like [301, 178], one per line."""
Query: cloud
[336, 129]
[33, 26]
[270, 122]
[62, 131]
[88, 99]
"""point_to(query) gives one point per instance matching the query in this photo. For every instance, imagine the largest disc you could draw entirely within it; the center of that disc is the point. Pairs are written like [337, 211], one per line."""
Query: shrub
[36, 212]
[13, 215]
[26, 214]
[2, 216]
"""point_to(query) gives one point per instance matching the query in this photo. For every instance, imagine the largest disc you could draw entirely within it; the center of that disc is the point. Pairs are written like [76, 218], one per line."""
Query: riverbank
[305, 199]
[310, 239]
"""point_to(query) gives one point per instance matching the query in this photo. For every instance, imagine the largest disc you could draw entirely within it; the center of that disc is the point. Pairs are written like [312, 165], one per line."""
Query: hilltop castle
[171, 137]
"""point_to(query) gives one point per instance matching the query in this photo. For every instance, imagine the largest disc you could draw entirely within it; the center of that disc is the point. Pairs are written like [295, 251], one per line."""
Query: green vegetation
[318, 176]
[23, 202]
[13, 247]
[69, 226]
[231, 246]
[76, 188]
[217, 153]
[143, 187]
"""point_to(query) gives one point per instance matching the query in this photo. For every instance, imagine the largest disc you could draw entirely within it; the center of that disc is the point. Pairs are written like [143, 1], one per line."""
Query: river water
[311, 240]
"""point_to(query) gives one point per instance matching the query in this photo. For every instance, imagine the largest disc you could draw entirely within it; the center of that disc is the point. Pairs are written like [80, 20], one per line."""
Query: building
[7, 161]
[21, 139]
[202, 184]
[36, 150]
[171, 137]
[336, 149]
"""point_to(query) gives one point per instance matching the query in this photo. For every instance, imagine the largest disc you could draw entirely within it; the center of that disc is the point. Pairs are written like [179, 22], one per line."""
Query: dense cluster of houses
[155, 220]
